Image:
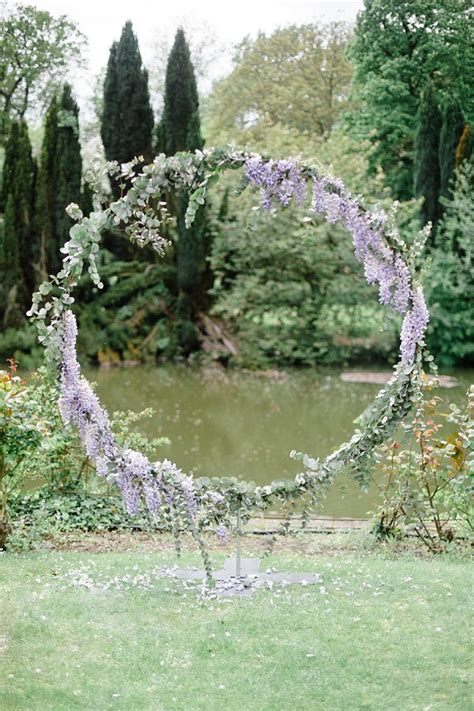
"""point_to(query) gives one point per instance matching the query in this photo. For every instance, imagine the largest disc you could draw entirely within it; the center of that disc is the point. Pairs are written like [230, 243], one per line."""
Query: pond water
[240, 424]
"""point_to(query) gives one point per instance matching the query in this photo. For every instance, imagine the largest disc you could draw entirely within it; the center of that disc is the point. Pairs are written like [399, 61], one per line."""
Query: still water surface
[239, 424]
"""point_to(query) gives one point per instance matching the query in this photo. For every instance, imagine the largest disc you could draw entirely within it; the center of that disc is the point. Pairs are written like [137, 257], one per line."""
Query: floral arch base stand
[228, 583]
[388, 262]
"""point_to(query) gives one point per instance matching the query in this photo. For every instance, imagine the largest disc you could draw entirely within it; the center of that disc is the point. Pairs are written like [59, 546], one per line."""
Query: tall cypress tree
[9, 163]
[451, 132]
[110, 119]
[45, 194]
[59, 181]
[17, 235]
[24, 197]
[68, 170]
[10, 249]
[426, 161]
[180, 130]
[127, 117]
[12, 292]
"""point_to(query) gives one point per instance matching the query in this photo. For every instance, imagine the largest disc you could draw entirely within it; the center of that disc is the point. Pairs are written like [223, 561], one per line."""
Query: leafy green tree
[127, 116]
[37, 49]
[398, 46]
[426, 158]
[450, 286]
[298, 78]
[291, 292]
[180, 130]
[288, 288]
[451, 131]
[16, 249]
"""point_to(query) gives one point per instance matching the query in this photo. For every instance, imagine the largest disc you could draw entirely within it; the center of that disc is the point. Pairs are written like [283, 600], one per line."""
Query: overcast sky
[226, 22]
[101, 20]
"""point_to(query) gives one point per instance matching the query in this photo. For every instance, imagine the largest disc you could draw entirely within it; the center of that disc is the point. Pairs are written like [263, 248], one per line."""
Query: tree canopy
[37, 48]
[298, 77]
[398, 46]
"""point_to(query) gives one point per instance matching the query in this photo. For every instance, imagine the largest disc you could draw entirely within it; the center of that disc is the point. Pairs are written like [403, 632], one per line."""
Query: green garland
[141, 213]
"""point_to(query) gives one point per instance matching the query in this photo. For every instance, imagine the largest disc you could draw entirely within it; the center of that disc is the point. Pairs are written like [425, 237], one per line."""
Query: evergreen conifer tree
[180, 128]
[11, 158]
[110, 119]
[17, 235]
[451, 132]
[127, 117]
[12, 293]
[59, 181]
[45, 194]
[23, 193]
[180, 131]
[68, 168]
[426, 160]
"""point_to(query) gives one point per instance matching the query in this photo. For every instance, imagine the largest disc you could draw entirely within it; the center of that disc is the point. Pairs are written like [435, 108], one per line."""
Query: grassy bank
[99, 631]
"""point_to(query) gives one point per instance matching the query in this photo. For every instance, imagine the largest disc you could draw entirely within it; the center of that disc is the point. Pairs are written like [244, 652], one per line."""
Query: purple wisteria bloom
[279, 181]
[80, 406]
[134, 474]
[222, 532]
[402, 293]
[414, 326]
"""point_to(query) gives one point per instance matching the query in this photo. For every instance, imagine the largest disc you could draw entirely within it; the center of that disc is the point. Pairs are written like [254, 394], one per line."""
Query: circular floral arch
[387, 261]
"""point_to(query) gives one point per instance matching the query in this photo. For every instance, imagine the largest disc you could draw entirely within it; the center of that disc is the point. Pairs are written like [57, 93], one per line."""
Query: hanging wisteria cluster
[280, 181]
[160, 486]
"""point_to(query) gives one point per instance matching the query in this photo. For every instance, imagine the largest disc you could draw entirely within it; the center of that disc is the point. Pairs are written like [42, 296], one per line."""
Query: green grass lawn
[377, 633]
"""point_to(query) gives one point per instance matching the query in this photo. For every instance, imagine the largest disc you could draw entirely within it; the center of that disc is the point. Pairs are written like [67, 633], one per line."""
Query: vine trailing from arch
[387, 260]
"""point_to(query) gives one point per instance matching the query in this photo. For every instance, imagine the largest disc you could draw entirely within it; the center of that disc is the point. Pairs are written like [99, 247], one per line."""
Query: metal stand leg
[238, 551]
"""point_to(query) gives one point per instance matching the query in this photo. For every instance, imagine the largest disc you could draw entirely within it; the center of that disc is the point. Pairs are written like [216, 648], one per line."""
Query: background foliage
[387, 104]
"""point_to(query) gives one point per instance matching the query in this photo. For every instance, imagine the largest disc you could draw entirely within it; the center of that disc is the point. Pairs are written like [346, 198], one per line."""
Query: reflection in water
[238, 424]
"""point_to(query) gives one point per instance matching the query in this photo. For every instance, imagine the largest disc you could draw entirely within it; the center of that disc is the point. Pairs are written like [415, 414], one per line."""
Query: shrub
[427, 485]
[20, 435]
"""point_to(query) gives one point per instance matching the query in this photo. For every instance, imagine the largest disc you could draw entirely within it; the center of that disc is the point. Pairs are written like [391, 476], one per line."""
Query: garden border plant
[388, 261]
